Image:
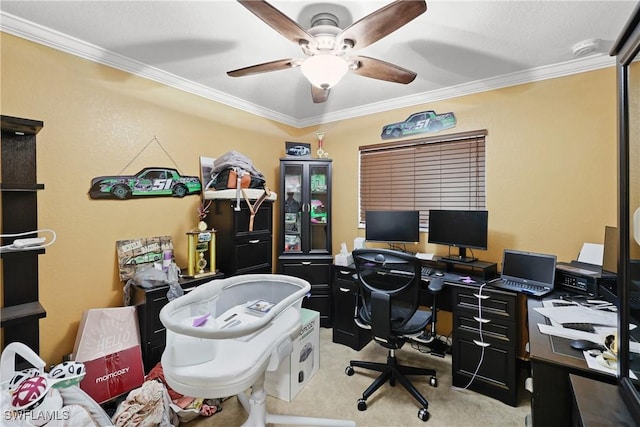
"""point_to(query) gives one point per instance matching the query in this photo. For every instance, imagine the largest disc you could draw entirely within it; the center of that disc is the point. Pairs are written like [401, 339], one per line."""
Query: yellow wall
[551, 165]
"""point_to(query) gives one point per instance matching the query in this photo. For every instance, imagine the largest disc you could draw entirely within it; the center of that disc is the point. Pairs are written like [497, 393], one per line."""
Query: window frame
[477, 140]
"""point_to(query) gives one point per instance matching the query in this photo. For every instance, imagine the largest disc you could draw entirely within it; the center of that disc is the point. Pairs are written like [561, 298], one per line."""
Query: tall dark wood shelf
[21, 310]
[304, 245]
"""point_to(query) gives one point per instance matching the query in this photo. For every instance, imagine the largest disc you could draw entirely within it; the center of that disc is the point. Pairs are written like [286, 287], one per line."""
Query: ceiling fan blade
[281, 64]
[381, 23]
[381, 70]
[319, 95]
[278, 21]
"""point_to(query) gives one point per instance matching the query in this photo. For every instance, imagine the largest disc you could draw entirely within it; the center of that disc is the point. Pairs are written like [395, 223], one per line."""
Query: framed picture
[298, 149]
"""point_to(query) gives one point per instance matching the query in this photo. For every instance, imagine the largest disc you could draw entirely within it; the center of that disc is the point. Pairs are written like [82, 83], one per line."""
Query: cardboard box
[108, 343]
[296, 370]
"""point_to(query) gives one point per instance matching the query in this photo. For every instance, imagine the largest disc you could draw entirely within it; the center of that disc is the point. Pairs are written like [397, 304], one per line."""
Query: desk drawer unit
[345, 294]
[485, 333]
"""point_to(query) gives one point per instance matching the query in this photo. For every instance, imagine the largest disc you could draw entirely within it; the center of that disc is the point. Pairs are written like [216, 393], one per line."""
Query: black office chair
[389, 289]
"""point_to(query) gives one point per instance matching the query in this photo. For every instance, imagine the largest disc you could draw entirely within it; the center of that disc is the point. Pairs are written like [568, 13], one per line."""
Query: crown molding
[19, 27]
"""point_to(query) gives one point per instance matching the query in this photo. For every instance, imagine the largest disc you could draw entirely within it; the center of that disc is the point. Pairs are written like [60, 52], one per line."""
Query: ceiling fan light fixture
[324, 70]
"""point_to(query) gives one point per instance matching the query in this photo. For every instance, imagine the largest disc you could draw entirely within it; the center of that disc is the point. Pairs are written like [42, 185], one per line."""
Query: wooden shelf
[19, 313]
[21, 187]
[20, 126]
[18, 193]
[12, 254]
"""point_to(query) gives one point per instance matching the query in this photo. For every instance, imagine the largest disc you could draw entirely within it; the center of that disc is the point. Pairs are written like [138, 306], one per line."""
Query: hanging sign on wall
[149, 182]
[424, 121]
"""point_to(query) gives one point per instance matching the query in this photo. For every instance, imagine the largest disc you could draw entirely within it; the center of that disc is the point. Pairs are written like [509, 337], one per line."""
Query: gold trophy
[200, 242]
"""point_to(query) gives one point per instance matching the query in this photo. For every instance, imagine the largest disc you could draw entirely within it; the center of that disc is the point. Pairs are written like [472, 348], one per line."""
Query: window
[439, 172]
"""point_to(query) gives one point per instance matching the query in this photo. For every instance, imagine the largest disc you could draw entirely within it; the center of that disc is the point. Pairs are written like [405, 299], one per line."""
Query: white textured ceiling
[455, 47]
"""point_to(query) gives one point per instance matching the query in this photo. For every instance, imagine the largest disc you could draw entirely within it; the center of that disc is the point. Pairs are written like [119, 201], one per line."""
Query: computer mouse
[583, 345]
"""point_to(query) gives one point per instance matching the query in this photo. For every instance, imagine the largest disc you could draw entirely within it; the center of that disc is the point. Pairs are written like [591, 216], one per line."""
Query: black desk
[552, 361]
[497, 377]
[598, 404]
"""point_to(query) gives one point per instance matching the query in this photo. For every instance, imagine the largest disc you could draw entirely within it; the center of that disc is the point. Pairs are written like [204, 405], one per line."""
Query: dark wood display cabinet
[490, 337]
[21, 309]
[304, 245]
[345, 295]
[240, 250]
[149, 302]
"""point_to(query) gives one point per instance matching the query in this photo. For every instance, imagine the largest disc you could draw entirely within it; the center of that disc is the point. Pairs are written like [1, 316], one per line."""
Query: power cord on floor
[482, 344]
[427, 348]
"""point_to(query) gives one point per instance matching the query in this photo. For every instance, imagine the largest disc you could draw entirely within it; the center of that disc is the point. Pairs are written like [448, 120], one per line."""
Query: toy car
[425, 121]
[144, 258]
[147, 182]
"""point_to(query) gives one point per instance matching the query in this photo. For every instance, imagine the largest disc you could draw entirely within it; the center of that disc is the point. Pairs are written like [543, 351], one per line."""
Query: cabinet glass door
[293, 208]
[318, 209]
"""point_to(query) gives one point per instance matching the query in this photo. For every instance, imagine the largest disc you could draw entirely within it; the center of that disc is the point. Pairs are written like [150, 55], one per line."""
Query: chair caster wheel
[423, 414]
[349, 370]
[433, 382]
[362, 405]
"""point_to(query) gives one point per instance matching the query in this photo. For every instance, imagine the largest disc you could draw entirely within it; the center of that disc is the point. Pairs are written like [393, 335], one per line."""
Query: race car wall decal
[424, 121]
[149, 182]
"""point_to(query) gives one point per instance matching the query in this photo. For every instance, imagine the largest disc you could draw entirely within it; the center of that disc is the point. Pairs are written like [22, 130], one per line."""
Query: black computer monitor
[392, 226]
[459, 228]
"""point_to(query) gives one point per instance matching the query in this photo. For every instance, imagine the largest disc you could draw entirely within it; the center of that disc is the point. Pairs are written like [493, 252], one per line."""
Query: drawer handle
[481, 320]
[345, 272]
[344, 290]
[481, 296]
[254, 241]
[306, 263]
[481, 344]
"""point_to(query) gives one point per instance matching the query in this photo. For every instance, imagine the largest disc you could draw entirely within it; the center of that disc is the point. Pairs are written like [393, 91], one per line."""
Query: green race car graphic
[425, 121]
[144, 258]
[147, 182]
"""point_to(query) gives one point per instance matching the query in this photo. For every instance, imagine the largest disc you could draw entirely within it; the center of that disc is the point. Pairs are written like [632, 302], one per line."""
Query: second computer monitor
[459, 228]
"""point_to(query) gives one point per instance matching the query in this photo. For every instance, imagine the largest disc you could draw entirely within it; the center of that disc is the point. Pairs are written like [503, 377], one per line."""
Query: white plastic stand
[256, 407]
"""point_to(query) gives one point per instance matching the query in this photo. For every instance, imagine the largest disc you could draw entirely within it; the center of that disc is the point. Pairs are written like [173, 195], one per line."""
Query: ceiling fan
[329, 49]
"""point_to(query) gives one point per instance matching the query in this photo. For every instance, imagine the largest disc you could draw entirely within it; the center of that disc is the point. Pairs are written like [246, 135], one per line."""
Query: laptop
[526, 272]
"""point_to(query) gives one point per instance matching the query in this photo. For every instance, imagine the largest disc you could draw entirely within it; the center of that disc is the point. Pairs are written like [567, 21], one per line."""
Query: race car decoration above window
[149, 182]
[425, 121]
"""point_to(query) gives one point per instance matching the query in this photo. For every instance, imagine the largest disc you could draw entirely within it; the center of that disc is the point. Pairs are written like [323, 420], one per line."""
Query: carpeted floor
[331, 393]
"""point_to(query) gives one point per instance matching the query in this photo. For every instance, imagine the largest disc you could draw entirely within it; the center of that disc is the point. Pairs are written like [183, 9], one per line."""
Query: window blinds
[442, 172]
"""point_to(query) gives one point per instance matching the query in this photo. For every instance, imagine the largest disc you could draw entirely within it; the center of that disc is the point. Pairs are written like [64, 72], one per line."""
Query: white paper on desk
[579, 314]
[425, 256]
[592, 363]
[573, 334]
[591, 253]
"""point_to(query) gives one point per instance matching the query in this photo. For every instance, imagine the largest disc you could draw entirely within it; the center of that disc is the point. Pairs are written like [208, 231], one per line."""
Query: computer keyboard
[521, 285]
[584, 327]
[426, 271]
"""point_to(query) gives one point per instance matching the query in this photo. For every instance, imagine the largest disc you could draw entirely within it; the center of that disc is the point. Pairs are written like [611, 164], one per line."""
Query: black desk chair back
[389, 298]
